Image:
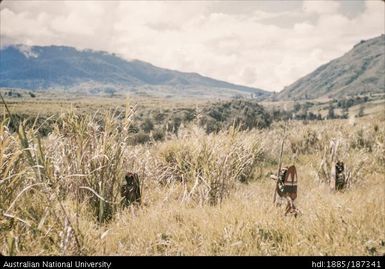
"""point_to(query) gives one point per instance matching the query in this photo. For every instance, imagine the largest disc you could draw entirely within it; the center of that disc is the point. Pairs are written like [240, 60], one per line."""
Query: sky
[262, 44]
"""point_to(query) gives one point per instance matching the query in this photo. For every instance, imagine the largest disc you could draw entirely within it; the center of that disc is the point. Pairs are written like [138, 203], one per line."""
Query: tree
[147, 125]
[110, 91]
[331, 114]
[345, 112]
[360, 111]
[297, 107]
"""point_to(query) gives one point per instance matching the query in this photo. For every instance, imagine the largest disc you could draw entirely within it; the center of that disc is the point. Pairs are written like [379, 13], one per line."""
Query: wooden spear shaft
[6, 107]
[279, 164]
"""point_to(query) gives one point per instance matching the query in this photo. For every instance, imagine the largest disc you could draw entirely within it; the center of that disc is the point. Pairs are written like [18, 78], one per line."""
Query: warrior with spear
[286, 183]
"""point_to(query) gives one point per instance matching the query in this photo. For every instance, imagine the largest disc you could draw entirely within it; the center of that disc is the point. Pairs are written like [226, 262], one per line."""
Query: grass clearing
[202, 194]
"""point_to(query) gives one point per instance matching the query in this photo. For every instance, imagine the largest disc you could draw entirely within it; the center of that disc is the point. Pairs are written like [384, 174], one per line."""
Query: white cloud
[255, 47]
[321, 7]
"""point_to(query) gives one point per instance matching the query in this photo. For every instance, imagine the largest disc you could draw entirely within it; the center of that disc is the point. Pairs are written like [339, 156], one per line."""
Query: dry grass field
[46, 102]
[201, 194]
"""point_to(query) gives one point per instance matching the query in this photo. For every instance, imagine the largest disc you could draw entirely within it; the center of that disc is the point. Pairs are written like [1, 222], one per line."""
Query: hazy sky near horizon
[263, 44]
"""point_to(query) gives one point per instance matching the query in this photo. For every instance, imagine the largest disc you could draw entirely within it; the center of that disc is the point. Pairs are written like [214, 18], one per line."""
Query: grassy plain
[203, 194]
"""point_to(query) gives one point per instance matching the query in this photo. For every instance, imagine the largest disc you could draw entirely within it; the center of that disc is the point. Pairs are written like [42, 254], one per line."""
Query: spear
[280, 162]
[6, 107]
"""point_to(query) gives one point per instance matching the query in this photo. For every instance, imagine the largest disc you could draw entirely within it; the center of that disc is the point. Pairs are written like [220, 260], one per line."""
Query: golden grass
[194, 200]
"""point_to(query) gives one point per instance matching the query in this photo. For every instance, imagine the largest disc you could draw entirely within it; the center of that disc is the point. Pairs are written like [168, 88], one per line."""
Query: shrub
[241, 114]
[139, 138]
[147, 125]
[158, 134]
[208, 165]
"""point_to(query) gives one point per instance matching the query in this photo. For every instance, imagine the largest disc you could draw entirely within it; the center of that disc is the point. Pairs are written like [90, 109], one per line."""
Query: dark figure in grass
[130, 191]
[339, 176]
[287, 188]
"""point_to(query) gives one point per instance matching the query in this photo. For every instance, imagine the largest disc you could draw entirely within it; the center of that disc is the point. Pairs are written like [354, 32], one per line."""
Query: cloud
[321, 7]
[259, 44]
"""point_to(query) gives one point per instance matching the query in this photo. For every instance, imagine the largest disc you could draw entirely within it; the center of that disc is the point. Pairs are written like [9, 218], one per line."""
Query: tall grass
[207, 165]
[203, 194]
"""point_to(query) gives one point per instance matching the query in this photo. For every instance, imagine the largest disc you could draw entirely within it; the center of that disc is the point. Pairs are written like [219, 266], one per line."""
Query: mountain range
[359, 71]
[45, 67]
